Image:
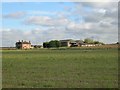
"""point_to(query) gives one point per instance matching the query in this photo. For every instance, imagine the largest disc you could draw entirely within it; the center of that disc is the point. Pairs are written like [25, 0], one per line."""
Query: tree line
[51, 44]
[91, 41]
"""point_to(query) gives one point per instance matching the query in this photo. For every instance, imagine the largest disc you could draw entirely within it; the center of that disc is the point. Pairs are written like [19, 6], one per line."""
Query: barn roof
[66, 40]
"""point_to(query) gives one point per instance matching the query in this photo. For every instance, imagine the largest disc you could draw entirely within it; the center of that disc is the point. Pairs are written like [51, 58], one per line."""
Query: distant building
[23, 45]
[65, 43]
[74, 43]
[79, 42]
[71, 43]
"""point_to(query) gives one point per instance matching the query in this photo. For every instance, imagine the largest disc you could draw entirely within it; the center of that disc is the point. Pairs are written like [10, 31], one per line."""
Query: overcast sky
[44, 21]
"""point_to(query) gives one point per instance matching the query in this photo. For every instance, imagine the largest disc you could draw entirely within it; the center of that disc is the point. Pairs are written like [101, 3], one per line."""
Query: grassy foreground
[60, 68]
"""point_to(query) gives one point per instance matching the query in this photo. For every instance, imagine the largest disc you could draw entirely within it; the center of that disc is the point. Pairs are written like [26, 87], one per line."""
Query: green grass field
[60, 68]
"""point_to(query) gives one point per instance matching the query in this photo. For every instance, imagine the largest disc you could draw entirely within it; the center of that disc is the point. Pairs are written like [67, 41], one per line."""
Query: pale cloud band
[15, 15]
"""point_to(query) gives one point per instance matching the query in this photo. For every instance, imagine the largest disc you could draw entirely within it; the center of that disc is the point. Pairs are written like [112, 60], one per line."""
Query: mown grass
[60, 68]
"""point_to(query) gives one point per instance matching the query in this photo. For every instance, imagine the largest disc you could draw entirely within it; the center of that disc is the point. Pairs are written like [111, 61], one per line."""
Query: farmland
[63, 68]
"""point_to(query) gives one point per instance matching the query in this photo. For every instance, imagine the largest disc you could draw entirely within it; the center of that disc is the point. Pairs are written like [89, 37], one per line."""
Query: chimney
[22, 40]
[29, 41]
[19, 40]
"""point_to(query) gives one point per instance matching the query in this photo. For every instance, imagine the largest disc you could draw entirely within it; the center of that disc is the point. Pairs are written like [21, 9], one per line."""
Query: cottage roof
[23, 42]
[26, 42]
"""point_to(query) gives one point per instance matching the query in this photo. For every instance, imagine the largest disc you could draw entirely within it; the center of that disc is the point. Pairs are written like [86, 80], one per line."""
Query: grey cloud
[98, 10]
[103, 17]
[100, 4]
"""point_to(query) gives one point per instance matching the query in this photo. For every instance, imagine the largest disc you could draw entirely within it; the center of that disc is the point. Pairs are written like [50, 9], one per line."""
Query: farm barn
[74, 43]
[23, 45]
[65, 43]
